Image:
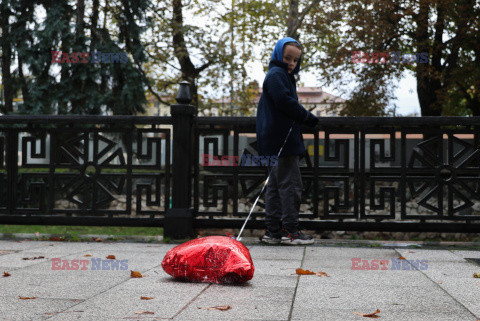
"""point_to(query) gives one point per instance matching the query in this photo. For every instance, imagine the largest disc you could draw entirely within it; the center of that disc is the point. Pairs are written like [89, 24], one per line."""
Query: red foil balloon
[210, 259]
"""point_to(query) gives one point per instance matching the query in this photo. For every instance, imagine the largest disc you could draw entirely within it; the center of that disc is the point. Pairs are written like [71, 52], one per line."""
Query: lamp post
[179, 219]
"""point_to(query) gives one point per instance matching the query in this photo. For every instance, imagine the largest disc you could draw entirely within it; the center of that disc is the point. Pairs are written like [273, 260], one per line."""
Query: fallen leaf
[27, 298]
[33, 258]
[96, 239]
[401, 258]
[51, 313]
[369, 315]
[111, 257]
[5, 274]
[440, 282]
[304, 272]
[87, 255]
[320, 273]
[308, 272]
[476, 275]
[135, 274]
[220, 307]
[144, 312]
[56, 238]
[146, 297]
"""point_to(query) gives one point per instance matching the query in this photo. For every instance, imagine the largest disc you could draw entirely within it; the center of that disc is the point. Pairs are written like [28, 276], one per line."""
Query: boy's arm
[278, 90]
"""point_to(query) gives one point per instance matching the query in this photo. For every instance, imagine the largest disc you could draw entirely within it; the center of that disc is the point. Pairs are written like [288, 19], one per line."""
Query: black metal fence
[183, 172]
[85, 170]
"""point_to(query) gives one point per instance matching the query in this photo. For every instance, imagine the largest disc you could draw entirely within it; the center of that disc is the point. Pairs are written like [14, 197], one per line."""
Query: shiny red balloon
[210, 259]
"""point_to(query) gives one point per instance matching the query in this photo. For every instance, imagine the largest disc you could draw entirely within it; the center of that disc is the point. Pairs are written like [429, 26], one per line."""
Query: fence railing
[184, 172]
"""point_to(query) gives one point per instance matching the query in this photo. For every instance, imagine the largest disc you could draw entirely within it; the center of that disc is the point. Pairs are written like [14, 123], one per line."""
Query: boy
[278, 110]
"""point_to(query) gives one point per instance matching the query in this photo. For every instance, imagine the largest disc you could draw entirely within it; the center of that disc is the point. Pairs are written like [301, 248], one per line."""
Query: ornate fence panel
[396, 174]
[84, 170]
[359, 173]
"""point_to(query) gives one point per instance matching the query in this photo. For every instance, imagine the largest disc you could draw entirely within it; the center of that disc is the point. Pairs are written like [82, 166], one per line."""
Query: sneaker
[272, 237]
[297, 238]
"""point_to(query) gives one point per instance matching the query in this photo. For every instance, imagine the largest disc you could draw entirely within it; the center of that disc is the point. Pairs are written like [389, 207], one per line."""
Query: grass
[74, 231]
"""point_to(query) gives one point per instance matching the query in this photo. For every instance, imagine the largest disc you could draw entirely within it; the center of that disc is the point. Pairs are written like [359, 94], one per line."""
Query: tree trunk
[23, 82]
[295, 18]
[426, 84]
[189, 72]
[79, 103]
[292, 21]
[6, 60]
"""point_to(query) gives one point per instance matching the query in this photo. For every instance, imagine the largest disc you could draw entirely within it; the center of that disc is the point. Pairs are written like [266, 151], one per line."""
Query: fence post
[11, 162]
[179, 219]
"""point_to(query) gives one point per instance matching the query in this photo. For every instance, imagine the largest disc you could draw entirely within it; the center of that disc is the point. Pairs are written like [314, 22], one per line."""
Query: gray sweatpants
[284, 195]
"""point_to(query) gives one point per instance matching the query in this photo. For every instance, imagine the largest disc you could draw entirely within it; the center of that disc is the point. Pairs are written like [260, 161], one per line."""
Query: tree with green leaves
[447, 31]
[74, 27]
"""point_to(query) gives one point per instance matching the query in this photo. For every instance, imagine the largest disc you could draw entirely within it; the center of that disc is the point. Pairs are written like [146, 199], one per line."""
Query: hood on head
[278, 52]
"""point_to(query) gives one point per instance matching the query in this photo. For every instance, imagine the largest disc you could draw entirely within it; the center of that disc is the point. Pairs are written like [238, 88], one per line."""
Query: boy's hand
[311, 120]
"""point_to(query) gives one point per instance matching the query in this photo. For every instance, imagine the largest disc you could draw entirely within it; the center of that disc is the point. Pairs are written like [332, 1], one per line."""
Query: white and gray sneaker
[297, 238]
[272, 237]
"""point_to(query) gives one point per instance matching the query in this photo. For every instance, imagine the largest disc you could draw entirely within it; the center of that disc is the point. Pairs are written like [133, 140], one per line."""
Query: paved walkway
[444, 289]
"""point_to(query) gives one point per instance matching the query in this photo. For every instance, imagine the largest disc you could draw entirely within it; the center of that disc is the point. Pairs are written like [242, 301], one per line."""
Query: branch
[203, 67]
[150, 87]
[306, 10]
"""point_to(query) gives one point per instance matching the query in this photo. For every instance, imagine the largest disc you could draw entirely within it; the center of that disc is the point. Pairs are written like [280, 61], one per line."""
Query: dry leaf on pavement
[308, 272]
[27, 298]
[111, 257]
[5, 274]
[369, 315]
[87, 255]
[144, 312]
[135, 274]
[401, 258]
[220, 307]
[304, 272]
[146, 297]
[33, 258]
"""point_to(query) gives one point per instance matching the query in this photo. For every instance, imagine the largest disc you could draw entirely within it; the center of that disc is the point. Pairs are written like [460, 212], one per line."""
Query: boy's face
[291, 55]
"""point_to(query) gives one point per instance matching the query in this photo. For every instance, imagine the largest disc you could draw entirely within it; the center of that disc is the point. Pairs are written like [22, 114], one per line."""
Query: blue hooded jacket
[278, 108]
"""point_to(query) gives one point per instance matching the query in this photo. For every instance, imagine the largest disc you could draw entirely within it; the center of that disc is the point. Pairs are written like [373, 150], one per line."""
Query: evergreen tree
[49, 87]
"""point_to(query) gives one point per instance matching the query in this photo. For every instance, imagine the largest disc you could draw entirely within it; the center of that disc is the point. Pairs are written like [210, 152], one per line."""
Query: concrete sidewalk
[445, 290]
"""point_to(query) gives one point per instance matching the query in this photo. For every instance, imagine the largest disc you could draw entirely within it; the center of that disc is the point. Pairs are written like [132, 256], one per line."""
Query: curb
[245, 240]
[92, 237]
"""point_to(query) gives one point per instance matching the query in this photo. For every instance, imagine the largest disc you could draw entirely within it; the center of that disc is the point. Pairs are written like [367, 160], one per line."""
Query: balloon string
[263, 188]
